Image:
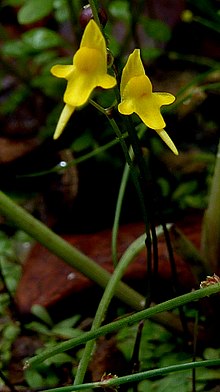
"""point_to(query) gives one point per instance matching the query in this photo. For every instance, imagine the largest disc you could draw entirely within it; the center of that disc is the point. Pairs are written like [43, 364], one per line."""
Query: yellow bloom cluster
[89, 70]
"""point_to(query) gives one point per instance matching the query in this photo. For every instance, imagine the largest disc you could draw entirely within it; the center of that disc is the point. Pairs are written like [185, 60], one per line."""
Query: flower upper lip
[137, 97]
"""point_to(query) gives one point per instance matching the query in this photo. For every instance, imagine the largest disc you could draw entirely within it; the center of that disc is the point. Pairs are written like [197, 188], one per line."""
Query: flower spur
[137, 97]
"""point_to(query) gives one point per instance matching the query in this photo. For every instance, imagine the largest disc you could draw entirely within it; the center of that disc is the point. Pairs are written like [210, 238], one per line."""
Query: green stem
[160, 372]
[65, 251]
[134, 378]
[125, 260]
[129, 160]
[115, 227]
[94, 8]
[74, 162]
[121, 193]
[124, 322]
[211, 224]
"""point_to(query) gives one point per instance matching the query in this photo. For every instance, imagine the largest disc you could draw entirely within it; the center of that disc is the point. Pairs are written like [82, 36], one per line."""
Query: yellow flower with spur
[137, 97]
[88, 71]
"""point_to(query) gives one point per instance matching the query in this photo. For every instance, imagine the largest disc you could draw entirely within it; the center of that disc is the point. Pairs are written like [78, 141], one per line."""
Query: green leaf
[33, 10]
[42, 314]
[59, 359]
[156, 29]
[83, 142]
[38, 327]
[120, 10]
[184, 189]
[67, 332]
[13, 3]
[33, 378]
[41, 38]
[69, 322]
[15, 48]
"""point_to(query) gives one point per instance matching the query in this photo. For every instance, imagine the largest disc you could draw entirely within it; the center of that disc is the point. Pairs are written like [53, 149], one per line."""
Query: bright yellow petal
[149, 112]
[126, 107]
[133, 68]
[137, 88]
[165, 137]
[79, 89]
[88, 60]
[61, 71]
[63, 120]
[164, 98]
[106, 81]
[93, 38]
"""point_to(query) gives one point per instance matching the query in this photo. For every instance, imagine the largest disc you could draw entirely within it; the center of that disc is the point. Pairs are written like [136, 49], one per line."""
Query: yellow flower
[137, 97]
[88, 71]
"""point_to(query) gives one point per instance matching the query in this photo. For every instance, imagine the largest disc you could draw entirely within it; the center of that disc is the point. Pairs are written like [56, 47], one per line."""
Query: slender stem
[211, 224]
[94, 8]
[148, 213]
[65, 251]
[121, 193]
[125, 260]
[129, 160]
[115, 227]
[73, 162]
[133, 378]
[124, 322]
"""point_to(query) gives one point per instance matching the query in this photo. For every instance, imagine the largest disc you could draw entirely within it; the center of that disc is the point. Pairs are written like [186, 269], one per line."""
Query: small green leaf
[120, 10]
[15, 48]
[42, 314]
[33, 10]
[157, 29]
[69, 322]
[41, 38]
[59, 359]
[33, 378]
[67, 332]
[38, 327]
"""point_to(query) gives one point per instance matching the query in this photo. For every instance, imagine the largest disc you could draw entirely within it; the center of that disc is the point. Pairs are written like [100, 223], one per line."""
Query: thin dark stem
[146, 187]
[135, 355]
[175, 278]
[195, 336]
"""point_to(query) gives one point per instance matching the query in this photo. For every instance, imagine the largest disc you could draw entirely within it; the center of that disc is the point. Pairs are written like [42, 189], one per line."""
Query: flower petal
[93, 38]
[82, 83]
[64, 118]
[106, 81]
[164, 98]
[148, 110]
[79, 88]
[133, 67]
[61, 71]
[165, 137]
[126, 107]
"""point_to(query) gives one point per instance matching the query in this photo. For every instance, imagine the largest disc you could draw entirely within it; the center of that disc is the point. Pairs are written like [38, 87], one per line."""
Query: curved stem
[115, 227]
[65, 251]
[125, 321]
[125, 260]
